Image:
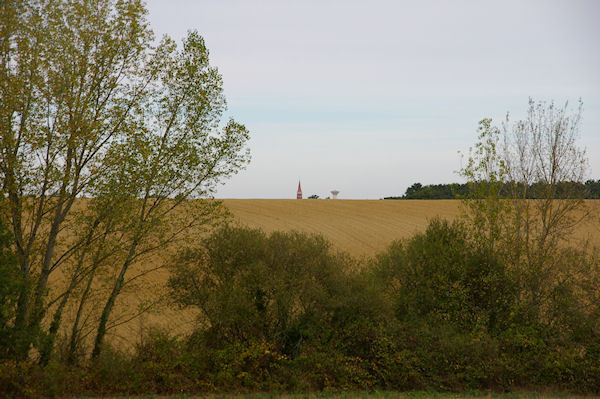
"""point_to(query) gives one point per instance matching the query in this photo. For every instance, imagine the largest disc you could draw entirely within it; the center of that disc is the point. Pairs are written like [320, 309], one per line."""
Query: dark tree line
[588, 190]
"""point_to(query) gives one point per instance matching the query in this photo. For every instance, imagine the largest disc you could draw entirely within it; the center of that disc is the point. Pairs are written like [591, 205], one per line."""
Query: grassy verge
[374, 395]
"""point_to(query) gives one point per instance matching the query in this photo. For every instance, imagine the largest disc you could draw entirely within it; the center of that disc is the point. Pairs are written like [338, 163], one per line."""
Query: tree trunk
[48, 345]
[75, 330]
[110, 303]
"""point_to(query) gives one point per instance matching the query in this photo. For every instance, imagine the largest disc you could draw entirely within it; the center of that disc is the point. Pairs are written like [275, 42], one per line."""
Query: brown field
[363, 227]
[360, 227]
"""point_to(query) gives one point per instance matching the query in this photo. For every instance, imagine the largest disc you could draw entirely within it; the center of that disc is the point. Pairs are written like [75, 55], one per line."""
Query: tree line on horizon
[590, 189]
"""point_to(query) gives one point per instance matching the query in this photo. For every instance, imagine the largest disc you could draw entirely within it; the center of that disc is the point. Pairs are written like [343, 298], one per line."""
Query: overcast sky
[369, 97]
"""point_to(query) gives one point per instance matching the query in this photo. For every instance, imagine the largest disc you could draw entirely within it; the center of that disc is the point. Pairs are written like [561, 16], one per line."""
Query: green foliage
[11, 284]
[593, 189]
[440, 274]
[17, 379]
[93, 107]
[282, 313]
[434, 191]
[284, 288]
[486, 171]
[566, 189]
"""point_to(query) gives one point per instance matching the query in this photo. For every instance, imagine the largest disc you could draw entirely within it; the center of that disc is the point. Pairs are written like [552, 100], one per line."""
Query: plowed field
[360, 227]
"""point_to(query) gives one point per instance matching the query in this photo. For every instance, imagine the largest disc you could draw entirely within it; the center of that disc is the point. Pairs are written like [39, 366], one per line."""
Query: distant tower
[334, 193]
[299, 193]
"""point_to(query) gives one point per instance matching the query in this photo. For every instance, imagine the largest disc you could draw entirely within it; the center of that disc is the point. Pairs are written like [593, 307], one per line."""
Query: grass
[375, 395]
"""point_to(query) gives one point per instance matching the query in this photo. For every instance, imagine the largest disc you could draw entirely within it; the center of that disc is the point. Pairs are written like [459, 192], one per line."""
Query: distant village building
[299, 194]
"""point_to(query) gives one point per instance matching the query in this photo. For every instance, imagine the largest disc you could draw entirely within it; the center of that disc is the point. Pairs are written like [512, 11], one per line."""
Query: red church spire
[299, 194]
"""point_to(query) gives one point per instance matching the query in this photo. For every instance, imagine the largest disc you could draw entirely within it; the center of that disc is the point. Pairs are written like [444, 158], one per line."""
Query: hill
[360, 227]
[363, 227]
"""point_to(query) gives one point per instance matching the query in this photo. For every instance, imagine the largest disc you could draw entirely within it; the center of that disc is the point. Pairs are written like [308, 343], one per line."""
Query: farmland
[364, 227]
[360, 227]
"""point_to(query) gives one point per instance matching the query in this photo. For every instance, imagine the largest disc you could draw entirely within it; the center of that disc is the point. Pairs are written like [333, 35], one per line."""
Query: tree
[593, 188]
[486, 175]
[91, 108]
[444, 277]
[538, 153]
[542, 155]
[10, 285]
[281, 288]
[412, 190]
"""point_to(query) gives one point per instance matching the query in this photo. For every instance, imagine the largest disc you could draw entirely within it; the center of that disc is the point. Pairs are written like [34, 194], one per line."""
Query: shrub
[281, 312]
[11, 285]
[440, 275]
[284, 288]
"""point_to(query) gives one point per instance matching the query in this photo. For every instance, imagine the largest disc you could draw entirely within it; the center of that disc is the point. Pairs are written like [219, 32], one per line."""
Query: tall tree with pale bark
[533, 236]
[93, 107]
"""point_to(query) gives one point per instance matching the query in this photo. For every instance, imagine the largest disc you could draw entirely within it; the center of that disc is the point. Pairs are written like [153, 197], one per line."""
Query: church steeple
[299, 194]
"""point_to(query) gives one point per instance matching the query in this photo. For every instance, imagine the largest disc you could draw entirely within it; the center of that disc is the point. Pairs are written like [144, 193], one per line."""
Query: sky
[369, 97]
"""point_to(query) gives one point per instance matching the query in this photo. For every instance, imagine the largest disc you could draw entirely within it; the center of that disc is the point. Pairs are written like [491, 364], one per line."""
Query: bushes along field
[284, 312]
